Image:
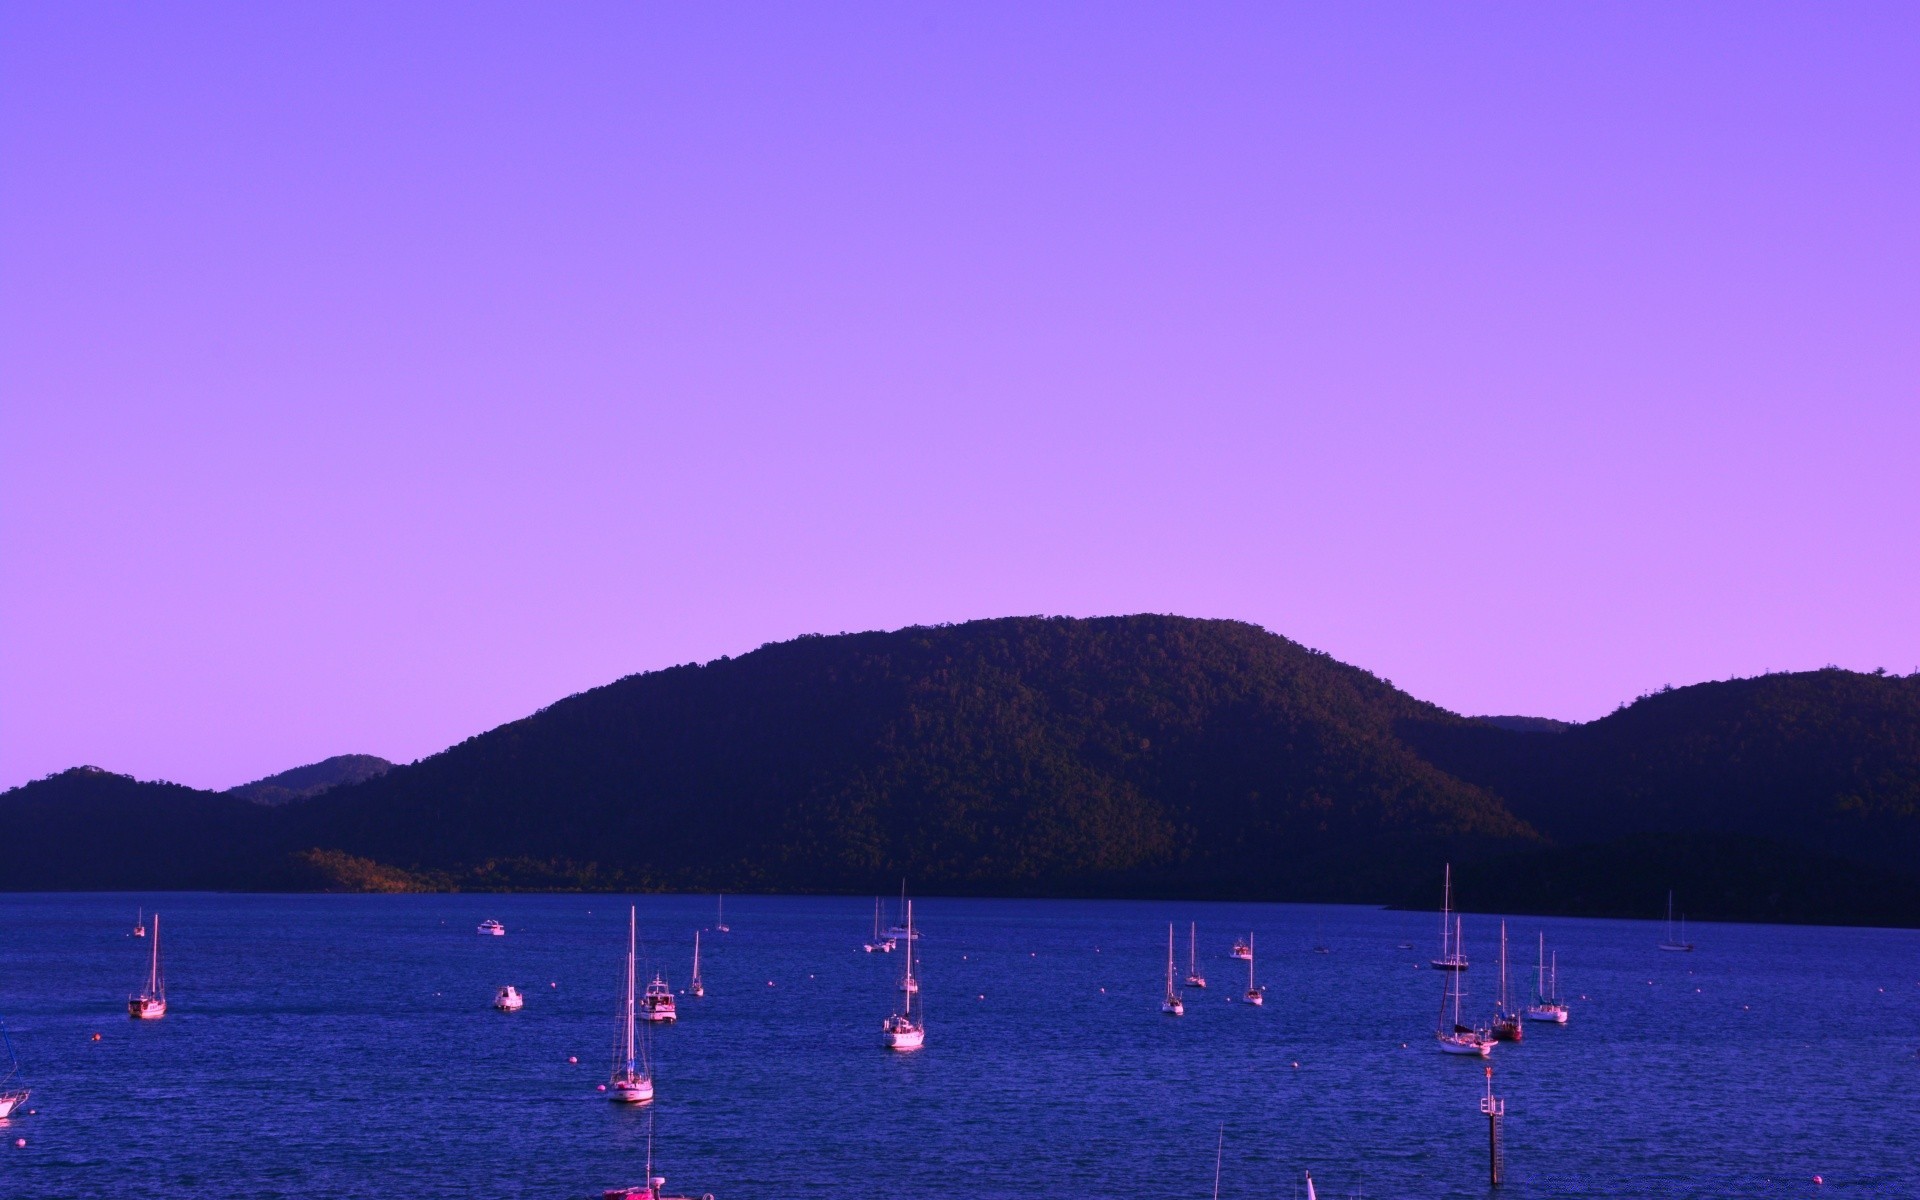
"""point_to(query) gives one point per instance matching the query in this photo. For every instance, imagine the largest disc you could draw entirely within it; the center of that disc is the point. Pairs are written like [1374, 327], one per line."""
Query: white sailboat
[632, 1081]
[1172, 1005]
[906, 1030]
[1675, 941]
[1547, 1005]
[1255, 994]
[1194, 978]
[10, 1097]
[694, 987]
[1453, 1037]
[1452, 958]
[150, 1002]
[140, 922]
[720, 915]
[880, 943]
[903, 929]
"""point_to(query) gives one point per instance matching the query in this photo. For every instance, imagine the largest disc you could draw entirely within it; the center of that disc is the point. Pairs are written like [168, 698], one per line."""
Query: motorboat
[508, 999]
[657, 1004]
[492, 928]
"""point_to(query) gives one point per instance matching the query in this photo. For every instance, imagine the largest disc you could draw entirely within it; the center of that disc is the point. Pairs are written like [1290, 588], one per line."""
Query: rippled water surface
[344, 1046]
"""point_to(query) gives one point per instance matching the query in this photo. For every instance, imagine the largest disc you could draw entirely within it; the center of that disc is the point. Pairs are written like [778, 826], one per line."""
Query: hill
[302, 783]
[1141, 756]
[1138, 755]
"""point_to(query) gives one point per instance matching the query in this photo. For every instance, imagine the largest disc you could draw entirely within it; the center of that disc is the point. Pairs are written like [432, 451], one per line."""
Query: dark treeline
[1136, 756]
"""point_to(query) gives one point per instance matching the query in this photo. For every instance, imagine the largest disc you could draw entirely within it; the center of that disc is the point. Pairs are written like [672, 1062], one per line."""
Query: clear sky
[371, 374]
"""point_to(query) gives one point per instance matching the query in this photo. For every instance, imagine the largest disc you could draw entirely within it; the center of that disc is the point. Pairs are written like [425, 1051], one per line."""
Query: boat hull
[1557, 1015]
[1255, 998]
[1677, 947]
[634, 1091]
[1475, 1047]
[146, 1009]
[10, 1101]
[1449, 964]
[1173, 1008]
[910, 1040]
[660, 1016]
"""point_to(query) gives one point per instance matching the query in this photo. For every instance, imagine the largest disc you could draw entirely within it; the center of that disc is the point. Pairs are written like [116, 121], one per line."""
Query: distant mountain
[302, 783]
[1136, 756]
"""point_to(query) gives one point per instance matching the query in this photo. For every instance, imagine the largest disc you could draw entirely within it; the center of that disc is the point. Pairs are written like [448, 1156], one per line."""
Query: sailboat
[140, 923]
[905, 1030]
[1506, 1015]
[1173, 1006]
[1254, 994]
[632, 1081]
[652, 1188]
[1451, 957]
[903, 928]
[1455, 1038]
[1547, 1005]
[1194, 978]
[10, 1098]
[879, 943]
[150, 1002]
[694, 986]
[1675, 941]
[720, 915]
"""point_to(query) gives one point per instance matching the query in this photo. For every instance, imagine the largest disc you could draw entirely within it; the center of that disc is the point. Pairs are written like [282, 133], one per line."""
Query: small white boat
[1675, 941]
[491, 928]
[1256, 995]
[1547, 1005]
[720, 915]
[1451, 957]
[509, 999]
[1243, 947]
[140, 923]
[657, 1004]
[694, 987]
[1194, 978]
[906, 1029]
[1172, 1005]
[10, 1097]
[1451, 1035]
[632, 1081]
[150, 1002]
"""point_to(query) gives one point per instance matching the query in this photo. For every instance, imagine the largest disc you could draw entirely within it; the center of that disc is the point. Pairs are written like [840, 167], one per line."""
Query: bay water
[344, 1046]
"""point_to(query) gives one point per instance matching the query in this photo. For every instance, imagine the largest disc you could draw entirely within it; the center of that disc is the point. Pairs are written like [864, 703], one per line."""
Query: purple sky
[373, 374]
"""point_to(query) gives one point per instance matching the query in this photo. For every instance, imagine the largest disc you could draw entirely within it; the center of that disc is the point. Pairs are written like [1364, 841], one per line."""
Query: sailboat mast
[632, 928]
[1169, 958]
[1446, 911]
[1540, 971]
[911, 990]
[1193, 936]
[1503, 967]
[153, 972]
[1456, 975]
[1249, 962]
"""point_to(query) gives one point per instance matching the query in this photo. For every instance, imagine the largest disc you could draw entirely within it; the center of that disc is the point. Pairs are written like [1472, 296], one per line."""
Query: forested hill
[1141, 755]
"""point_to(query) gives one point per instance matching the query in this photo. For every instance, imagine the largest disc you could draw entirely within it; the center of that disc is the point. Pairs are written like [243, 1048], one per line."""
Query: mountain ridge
[1140, 755]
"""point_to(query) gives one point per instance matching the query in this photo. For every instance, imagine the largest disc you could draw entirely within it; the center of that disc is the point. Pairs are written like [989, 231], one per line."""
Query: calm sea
[344, 1046]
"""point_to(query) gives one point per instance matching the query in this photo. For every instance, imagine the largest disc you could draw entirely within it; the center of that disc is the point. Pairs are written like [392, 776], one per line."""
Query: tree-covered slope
[301, 783]
[1158, 753]
[1828, 760]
